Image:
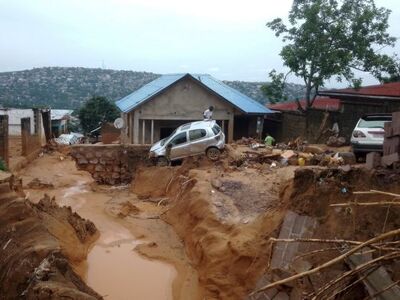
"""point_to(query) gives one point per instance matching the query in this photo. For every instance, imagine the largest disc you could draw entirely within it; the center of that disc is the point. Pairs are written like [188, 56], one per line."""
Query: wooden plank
[152, 132]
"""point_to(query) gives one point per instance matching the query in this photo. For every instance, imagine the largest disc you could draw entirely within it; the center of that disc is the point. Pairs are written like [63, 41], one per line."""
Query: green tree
[332, 38]
[96, 111]
[275, 90]
[392, 73]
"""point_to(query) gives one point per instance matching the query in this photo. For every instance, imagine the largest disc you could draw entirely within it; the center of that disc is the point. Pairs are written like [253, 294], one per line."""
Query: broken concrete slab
[294, 226]
[377, 280]
[264, 295]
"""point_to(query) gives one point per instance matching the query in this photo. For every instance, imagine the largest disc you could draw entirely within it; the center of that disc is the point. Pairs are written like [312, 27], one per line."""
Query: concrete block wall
[110, 164]
[30, 142]
[4, 139]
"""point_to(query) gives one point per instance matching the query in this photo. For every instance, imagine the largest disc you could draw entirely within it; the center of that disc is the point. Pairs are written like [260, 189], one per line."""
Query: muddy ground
[196, 231]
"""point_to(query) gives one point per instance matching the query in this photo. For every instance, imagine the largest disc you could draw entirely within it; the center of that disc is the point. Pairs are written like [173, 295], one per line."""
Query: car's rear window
[216, 129]
[373, 122]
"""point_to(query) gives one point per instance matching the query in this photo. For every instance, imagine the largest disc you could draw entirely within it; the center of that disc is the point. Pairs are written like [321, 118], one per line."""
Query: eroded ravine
[113, 268]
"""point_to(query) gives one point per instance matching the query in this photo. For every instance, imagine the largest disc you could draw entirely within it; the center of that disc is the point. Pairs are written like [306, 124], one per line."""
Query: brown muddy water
[113, 268]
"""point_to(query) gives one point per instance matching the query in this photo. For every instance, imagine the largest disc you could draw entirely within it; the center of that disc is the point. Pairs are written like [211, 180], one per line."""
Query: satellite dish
[119, 123]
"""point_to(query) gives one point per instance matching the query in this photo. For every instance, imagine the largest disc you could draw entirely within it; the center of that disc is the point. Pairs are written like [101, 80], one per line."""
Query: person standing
[207, 115]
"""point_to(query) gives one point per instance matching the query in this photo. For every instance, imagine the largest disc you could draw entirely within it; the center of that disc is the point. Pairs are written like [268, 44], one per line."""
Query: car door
[198, 141]
[180, 147]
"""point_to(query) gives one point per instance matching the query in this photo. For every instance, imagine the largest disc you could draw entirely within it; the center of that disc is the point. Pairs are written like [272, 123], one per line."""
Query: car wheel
[213, 153]
[162, 162]
[359, 156]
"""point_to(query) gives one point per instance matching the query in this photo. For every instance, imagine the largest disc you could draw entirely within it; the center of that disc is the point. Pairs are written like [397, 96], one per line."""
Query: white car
[369, 133]
[201, 137]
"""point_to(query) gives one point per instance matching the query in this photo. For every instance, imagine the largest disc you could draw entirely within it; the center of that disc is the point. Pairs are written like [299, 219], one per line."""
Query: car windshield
[373, 123]
[162, 142]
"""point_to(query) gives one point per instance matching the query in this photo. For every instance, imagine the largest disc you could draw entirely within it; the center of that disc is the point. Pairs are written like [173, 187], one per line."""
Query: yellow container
[301, 161]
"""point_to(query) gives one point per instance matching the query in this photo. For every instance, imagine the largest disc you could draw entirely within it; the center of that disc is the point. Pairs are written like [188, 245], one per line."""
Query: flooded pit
[158, 269]
[113, 268]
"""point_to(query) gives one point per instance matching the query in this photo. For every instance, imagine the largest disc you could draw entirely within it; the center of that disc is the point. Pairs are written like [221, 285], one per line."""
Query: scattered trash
[69, 139]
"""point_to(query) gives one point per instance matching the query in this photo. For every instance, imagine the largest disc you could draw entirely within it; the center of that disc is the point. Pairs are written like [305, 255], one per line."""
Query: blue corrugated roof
[148, 91]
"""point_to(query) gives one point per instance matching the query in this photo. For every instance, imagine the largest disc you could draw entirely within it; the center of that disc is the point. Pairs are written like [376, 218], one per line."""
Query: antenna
[119, 123]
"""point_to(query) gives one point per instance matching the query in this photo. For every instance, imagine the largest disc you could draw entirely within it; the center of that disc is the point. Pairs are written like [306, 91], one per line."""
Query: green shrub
[3, 166]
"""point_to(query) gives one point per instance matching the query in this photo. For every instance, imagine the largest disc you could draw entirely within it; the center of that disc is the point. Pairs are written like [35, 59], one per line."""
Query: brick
[388, 129]
[99, 168]
[391, 145]
[82, 161]
[94, 161]
[396, 119]
[388, 160]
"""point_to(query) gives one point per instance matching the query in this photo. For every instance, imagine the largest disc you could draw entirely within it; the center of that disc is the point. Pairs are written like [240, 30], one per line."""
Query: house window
[179, 139]
[197, 134]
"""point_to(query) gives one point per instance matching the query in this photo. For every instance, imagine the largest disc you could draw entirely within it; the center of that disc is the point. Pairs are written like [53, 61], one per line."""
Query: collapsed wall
[326, 197]
[38, 242]
[110, 164]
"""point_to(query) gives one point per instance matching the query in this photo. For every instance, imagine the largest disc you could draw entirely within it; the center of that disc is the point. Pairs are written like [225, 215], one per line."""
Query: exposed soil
[224, 215]
[200, 230]
[136, 253]
[38, 242]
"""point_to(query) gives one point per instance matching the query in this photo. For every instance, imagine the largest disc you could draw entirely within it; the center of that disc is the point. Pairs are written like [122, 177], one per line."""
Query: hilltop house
[156, 109]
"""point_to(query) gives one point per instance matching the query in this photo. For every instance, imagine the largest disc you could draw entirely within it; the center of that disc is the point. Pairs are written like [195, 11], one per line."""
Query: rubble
[334, 141]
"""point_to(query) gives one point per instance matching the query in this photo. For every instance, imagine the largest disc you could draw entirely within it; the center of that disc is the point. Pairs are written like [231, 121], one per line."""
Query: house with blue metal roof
[156, 109]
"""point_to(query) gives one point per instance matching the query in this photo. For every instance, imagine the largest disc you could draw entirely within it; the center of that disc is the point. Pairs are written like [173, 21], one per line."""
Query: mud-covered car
[196, 138]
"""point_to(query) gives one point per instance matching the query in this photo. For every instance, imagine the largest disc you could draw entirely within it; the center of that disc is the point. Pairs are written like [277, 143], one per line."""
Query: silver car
[201, 137]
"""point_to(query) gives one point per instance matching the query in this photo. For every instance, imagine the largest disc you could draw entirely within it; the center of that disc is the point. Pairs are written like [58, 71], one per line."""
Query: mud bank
[137, 254]
[38, 242]
[224, 218]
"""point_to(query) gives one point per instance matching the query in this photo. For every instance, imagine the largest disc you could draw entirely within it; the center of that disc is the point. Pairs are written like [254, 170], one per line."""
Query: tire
[359, 156]
[213, 153]
[162, 161]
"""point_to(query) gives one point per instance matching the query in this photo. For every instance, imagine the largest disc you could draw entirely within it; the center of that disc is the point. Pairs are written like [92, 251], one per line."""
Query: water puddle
[113, 268]
[118, 272]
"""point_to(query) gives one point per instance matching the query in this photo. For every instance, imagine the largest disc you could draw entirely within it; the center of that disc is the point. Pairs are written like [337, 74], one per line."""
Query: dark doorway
[47, 124]
[166, 132]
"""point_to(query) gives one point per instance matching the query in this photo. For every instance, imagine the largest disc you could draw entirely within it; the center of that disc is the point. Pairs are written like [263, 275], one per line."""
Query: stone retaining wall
[110, 164]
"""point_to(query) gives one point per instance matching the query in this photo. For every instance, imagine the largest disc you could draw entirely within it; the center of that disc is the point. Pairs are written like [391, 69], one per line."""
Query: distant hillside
[70, 87]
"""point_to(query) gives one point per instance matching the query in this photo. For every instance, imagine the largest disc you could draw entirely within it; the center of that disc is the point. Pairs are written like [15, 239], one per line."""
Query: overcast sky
[225, 38]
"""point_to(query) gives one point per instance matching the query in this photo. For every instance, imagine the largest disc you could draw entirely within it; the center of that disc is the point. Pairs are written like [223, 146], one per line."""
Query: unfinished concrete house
[156, 109]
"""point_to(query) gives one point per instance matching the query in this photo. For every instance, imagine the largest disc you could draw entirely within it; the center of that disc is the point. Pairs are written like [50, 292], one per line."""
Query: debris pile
[335, 242]
[249, 152]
